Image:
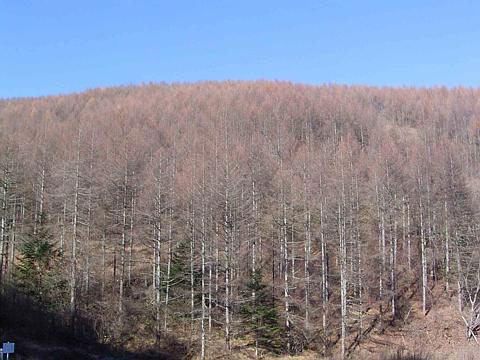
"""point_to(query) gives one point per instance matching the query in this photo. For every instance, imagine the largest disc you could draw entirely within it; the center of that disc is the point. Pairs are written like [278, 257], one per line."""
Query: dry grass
[438, 336]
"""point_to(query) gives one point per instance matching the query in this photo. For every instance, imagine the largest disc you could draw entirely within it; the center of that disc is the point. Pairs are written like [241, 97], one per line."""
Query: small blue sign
[8, 348]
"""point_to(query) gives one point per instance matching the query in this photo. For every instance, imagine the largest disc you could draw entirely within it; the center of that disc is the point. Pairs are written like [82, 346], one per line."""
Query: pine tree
[36, 274]
[261, 317]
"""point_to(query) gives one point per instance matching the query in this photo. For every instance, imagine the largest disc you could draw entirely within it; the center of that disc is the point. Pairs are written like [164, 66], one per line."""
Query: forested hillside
[262, 215]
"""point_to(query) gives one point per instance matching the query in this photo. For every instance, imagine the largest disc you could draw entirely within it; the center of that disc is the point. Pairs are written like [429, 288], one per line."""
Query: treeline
[271, 215]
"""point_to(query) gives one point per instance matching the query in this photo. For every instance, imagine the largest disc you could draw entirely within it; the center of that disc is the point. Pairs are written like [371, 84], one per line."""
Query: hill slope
[256, 214]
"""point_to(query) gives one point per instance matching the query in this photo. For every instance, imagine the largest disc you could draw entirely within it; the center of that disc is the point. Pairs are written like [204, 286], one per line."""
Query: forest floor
[440, 335]
[28, 349]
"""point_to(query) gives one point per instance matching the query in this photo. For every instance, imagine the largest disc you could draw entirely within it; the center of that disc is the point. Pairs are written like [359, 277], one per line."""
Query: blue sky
[54, 47]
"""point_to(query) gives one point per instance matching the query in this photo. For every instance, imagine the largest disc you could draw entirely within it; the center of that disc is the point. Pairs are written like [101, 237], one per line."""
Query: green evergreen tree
[261, 317]
[37, 269]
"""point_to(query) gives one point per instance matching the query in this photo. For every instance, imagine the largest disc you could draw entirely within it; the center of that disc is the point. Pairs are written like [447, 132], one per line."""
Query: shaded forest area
[260, 215]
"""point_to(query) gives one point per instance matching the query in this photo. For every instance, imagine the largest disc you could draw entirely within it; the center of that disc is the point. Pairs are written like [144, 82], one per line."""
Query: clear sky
[62, 46]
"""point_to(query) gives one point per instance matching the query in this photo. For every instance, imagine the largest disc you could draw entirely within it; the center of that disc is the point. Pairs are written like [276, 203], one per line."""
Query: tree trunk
[73, 269]
[424, 260]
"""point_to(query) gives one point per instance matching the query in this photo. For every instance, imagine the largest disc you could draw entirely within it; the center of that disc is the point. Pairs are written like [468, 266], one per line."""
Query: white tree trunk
[325, 295]
[393, 260]
[424, 261]
[343, 281]
[73, 269]
[202, 322]
[123, 239]
[447, 249]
